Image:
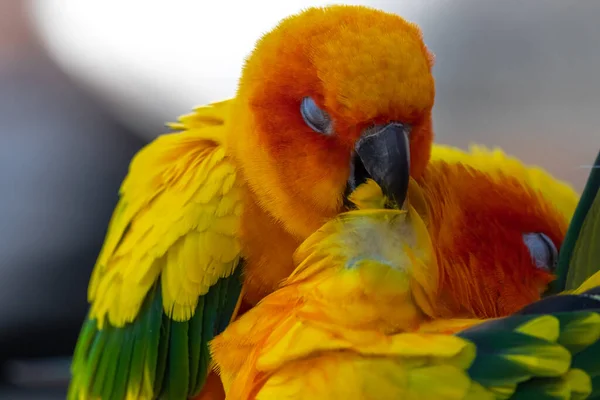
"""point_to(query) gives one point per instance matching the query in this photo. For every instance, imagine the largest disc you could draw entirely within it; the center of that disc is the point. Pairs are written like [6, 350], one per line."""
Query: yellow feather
[503, 392]
[580, 384]
[438, 382]
[546, 327]
[547, 362]
[205, 115]
[361, 374]
[478, 392]
[177, 219]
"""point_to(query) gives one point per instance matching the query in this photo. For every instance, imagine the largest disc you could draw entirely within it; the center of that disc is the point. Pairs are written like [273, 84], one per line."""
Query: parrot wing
[548, 350]
[579, 256]
[167, 279]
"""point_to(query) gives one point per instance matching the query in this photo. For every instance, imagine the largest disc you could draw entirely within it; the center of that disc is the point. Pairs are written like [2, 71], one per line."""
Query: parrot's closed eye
[317, 119]
[542, 250]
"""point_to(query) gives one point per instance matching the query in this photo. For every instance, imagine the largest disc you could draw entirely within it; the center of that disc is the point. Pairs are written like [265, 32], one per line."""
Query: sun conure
[496, 224]
[329, 98]
[478, 241]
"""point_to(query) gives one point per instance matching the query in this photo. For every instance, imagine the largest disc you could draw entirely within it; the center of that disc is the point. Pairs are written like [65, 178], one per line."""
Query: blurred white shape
[157, 59]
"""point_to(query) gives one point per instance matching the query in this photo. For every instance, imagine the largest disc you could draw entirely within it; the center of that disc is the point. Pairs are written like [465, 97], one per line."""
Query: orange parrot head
[496, 225]
[330, 97]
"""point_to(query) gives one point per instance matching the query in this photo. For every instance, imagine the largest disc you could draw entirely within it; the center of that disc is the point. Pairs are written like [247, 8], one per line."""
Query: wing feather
[168, 271]
[169, 200]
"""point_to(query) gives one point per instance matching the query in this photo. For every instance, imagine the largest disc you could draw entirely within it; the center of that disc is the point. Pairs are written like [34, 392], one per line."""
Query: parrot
[209, 215]
[496, 202]
[368, 313]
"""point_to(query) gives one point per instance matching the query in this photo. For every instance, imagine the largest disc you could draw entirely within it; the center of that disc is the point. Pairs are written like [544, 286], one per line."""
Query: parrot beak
[383, 154]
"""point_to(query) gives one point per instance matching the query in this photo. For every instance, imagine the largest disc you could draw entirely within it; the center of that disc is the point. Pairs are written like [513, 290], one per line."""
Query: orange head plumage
[314, 87]
[496, 225]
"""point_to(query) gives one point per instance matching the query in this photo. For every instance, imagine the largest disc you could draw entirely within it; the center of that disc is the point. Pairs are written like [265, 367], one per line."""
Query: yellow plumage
[413, 362]
[178, 217]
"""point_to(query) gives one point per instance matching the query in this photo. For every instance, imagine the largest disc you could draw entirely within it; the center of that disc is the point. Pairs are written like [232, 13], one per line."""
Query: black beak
[383, 154]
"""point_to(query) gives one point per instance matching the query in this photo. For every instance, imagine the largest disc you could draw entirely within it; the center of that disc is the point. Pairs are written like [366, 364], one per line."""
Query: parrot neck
[267, 249]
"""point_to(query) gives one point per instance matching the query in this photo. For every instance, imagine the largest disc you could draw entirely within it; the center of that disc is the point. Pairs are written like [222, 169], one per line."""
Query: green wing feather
[579, 256]
[549, 350]
[154, 356]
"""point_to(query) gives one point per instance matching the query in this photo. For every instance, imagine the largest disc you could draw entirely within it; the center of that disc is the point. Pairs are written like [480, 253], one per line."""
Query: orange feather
[477, 218]
[362, 66]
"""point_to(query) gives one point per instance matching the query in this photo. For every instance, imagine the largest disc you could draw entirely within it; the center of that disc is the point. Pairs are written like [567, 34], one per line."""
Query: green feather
[579, 255]
[177, 379]
[505, 358]
[230, 298]
[208, 329]
[154, 356]
[154, 337]
[595, 389]
[580, 384]
[121, 378]
[86, 340]
[162, 352]
[138, 355]
[543, 389]
[538, 353]
[195, 333]
[579, 330]
[104, 379]
[589, 360]
[92, 363]
[146, 334]
[574, 385]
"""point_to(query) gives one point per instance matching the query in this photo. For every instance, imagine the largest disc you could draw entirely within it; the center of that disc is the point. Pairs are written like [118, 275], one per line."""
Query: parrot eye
[542, 249]
[317, 119]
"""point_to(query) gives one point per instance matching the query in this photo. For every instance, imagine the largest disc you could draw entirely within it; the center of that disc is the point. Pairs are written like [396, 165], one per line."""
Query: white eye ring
[543, 251]
[317, 119]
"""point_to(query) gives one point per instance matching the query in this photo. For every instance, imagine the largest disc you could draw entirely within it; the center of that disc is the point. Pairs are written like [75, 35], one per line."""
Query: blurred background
[84, 85]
